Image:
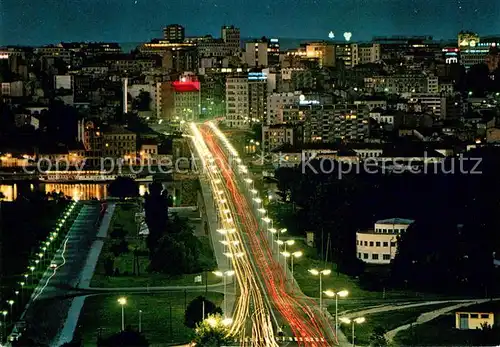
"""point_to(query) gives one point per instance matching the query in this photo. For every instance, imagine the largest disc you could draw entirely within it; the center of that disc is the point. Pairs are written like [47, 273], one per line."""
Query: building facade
[174, 33]
[231, 36]
[379, 246]
[331, 123]
[237, 101]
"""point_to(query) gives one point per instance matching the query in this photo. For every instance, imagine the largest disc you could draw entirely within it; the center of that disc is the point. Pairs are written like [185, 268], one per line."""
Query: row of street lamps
[292, 255]
[46, 249]
[320, 273]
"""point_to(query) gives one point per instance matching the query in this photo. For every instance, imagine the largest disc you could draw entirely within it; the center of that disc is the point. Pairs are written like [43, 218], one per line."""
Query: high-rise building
[237, 101]
[174, 33]
[231, 36]
[256, 54]
[273, 56]
[257, 96]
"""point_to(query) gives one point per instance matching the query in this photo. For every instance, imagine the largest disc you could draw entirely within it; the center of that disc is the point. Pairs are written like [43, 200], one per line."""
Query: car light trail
[297, 312]
[250, 293]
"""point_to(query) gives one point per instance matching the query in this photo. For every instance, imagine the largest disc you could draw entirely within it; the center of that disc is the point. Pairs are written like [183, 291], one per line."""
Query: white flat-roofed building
[379, 246]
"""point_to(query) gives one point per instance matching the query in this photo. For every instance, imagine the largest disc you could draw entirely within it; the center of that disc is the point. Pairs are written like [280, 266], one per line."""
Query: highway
[265, 294]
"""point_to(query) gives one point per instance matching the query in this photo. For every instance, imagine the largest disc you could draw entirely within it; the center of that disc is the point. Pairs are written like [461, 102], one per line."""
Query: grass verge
[162, 316]
[388, 321]
[124, 219]
[441, 331]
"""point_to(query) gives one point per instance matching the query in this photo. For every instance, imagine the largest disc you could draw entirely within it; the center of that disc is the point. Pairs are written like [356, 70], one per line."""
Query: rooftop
[395, 221]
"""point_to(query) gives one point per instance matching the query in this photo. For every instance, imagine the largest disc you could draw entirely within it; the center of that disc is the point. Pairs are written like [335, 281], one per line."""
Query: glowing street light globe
[331, 35]
[347, 36]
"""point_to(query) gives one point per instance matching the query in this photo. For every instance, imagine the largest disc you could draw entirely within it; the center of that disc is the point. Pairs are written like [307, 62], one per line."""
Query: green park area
[336, 281]
[124, 260]
[376, 324]
[162, 316]
[441, 331]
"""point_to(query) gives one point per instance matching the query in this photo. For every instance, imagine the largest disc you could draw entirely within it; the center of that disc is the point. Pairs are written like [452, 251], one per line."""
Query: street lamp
[224, 275]
[297, 254]
[123, 301]
[331, 294]
[4, 314]
[140, 321]
[320, 273]
[10, 302]
[358, 320]
[281, 243]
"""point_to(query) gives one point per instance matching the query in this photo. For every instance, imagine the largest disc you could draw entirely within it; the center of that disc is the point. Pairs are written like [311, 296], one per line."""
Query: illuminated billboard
[186, 86]
[257, 76]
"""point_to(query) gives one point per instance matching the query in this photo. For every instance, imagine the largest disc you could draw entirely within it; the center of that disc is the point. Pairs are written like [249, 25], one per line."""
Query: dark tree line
[450, 246]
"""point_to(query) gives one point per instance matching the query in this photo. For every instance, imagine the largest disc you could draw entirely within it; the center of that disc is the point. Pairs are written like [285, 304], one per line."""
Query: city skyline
[141, 20]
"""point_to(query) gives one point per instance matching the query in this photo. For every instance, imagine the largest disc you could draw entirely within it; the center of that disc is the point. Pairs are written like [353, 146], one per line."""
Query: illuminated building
[257, 96]
[119, 143]
[276, 135]
[398, 84]
[213, 48]
[175, 56]
[92, 49]
[213, 94]
[237, 100]
[395, 47]
[379, 246]
[429, 102]
[179, 100]
[174, 33]
[322, 52]
[344, 53]
[451, 55]
[273, 52]
[365, 53]
[276, 102]
[330, 123]
[256, 53]
[231, 36]
[475, 49]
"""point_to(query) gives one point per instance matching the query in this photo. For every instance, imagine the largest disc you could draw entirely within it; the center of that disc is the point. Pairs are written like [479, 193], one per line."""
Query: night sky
[51, 21]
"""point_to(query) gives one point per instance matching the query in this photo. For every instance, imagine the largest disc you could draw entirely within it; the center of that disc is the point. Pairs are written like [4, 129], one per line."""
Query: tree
[212, 332]
[142, 102]
[195, 309]
[156, 211]
[128, 337]
[124, 187]
[109, 264]
[177, 251]
[377, 338]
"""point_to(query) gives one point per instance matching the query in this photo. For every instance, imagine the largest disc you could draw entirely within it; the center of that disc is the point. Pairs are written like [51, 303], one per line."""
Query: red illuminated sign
[187, 86]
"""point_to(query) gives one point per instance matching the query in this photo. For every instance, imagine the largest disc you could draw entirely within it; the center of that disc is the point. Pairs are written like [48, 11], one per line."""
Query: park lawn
[124, 217]
[162, 316]
[441, 331]
[335, 281]
[388, 320]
